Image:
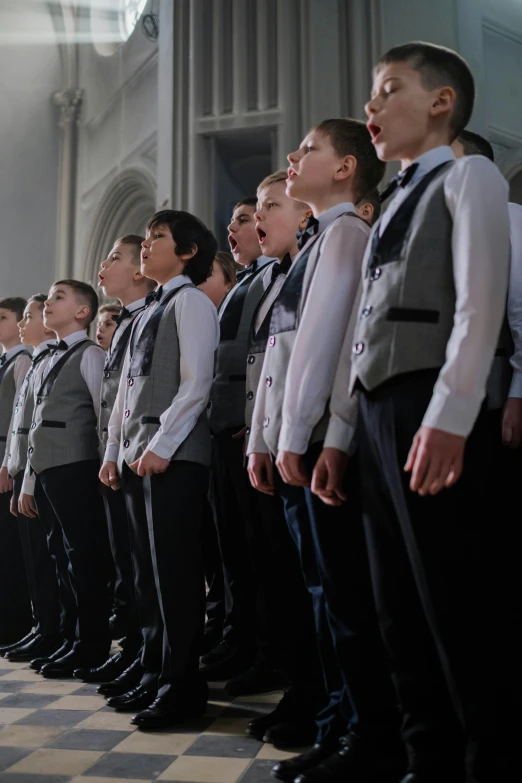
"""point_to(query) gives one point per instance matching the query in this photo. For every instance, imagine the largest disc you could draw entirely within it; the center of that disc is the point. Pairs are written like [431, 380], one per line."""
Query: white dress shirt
[515, 297]
[476, 195]
[21, 365]
[198, 335]
[19, 379]
[332, 299]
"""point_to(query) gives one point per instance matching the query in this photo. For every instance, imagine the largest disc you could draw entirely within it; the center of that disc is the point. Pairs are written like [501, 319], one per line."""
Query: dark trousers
[435, 562]
[124, 592]
[69, 503]
[174, 504]
[16, 617]
[40, 570]
[214, 576]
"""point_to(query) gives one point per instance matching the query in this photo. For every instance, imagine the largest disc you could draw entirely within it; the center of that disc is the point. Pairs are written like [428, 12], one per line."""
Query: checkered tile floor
[56, 731]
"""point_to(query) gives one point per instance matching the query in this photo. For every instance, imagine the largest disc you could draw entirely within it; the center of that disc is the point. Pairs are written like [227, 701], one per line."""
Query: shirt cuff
[515, 389]
[456, 415]
[162, 446]
[28, 484]
[112, 452]
[340, 435]
[256, 442]
[294, 438]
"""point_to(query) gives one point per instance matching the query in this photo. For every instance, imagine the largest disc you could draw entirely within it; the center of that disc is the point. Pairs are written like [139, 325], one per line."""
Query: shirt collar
[133, 306]
[328, 217]
[176, 282]
[430, 160]
[75, 337]
[41, 348]
[15, 350]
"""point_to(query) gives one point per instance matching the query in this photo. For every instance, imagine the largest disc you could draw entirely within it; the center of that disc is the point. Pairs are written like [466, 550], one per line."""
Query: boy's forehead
[271, 191]
[400, 71]
[245, 210]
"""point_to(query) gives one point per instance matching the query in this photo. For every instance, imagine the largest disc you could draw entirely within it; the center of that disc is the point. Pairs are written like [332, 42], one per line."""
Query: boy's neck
[291, 250]
[321, 205]
[431, 142]
[131, 295]
[168, 278]
[11, 344]
[43, 339]
[66, 331]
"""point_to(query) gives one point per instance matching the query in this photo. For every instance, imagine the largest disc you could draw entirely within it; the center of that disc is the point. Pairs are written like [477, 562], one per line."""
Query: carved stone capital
[70, 103]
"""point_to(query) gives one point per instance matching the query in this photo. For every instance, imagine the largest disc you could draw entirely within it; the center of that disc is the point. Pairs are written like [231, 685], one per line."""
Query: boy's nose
[293, 156]
[370, 108]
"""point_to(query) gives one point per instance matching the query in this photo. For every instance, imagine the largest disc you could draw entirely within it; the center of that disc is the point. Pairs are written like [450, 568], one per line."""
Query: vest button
[33, 425]
[358, 348]
[31, 449]
[250, 395]
[103, 403]
[38, 400]
[272, 341]
[251, 359]
[247, 432]
[268, 380]
[366, 312]
[376, 274]
[266, 421]
[106, 374]
[16, 410]
[126, 444]
[127, 414]
[12, 432]
[130, 382]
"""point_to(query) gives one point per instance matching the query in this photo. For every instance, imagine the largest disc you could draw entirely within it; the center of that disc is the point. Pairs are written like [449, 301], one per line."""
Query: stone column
[69, 102]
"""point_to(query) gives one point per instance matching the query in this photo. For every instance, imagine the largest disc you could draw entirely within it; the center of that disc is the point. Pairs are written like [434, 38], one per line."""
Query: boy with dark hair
[106, 324]
[433, 301]
[39, 565]
[159, 443]
[369, 207]
[63, 463]
[120, 277]
[469, 143]
[333, 168]
[15, 606]
[236, 505]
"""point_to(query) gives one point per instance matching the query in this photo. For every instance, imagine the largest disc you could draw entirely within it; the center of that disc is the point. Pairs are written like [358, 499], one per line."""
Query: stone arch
[125, 207]
[510, 164]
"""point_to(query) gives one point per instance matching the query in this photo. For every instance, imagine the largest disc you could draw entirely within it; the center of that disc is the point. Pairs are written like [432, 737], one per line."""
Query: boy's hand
[435, 460]
[327, 478]
[6, 482]
[290, 466]
[108, 475]
[149, 464]
[261, 473]
[512, 423]
[13, 506]
[26, 506]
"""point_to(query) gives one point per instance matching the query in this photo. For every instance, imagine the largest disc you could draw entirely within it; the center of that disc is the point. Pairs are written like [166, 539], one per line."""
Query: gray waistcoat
[284, 322]
[63, 429]
[7, 397]
[152, 383]
[408, 300]
[112, 373]
[227, 397]
[22, 418]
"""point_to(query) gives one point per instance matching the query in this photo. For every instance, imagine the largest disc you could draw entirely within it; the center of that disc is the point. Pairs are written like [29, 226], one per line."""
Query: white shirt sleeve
[515, 298]
[344, 407]
[112, 448]
[331, 301]
[198, 336]
[477, 198]
[256, 440]
[91, 368]
[28, 482]
[22, 365]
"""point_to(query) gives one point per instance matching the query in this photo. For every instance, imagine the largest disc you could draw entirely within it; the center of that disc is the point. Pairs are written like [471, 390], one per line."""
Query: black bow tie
[3, 359]
[55, 347]
[246, 271]
[282, 268]
[122, 315]
[402, 179]
[312, 228]
[154, 296]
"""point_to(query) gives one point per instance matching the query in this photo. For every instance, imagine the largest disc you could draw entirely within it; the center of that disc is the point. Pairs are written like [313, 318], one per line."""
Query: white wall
[29, 75]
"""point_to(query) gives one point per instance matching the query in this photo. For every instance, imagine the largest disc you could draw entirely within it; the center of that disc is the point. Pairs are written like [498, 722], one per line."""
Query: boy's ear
[444, 101]
[346, 168]
[365, 211]
[82, 312]
[187, 256]
[304, 219]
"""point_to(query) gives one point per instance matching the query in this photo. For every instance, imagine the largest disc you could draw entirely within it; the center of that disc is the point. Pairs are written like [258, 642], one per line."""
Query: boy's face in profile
[31, 328]
[105, 330]
[313, 167]
[277, 221]
[400, 112]
[63, 309]
[158, 255]
[8, 327]
[242, 236]
[118, 270]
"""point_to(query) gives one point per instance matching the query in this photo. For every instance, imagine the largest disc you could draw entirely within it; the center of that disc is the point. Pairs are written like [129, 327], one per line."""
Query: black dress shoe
[5, 648]
[356, 761]
[290, 725]
[289, 769]
[162, 714]
[108, 671]
[257, 679]
[59, 652]
[137, 699]
[40, 646]
[66, 665]
[128, 680]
